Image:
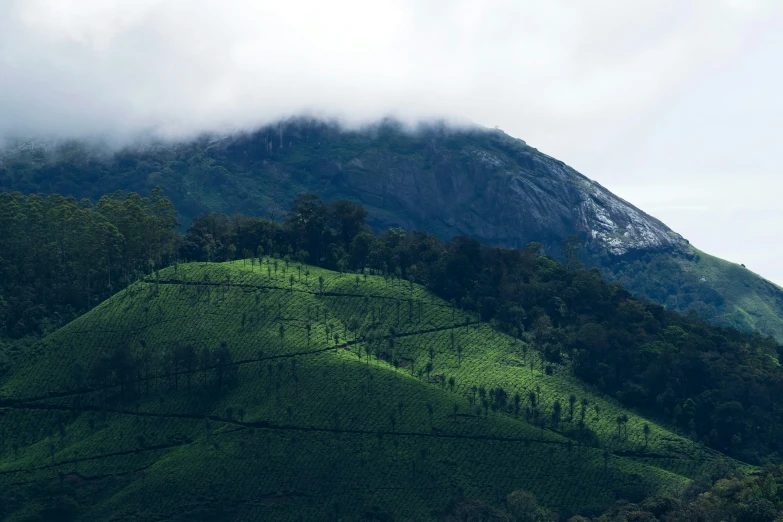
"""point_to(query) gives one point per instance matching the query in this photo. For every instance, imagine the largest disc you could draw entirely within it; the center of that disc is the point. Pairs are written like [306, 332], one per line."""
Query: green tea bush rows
[210, 389]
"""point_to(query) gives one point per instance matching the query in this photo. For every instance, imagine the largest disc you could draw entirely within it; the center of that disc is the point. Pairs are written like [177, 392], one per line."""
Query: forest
[59, 257]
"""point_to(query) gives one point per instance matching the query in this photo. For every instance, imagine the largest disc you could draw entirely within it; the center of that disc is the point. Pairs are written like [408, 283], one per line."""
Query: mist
[72, 68]
[673, 105]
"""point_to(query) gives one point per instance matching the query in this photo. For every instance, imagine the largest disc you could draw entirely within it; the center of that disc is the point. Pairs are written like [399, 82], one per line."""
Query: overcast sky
[675, 105]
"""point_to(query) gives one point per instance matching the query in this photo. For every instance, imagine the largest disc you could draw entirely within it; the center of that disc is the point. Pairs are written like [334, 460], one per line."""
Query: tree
[585, 403]
[430, 411]
[570, 249]
[523, 507]
[321, 284]
[187, 359]
[571, 404]
[223, 363]
[428, 369]
[456, 409]
[353, 324]
[646, 431]
[260, 357]
[556, 412]
[204, 361]
[451, 383]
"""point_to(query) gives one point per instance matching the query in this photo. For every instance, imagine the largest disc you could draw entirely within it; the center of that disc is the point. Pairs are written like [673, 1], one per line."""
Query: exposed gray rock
[499, 197]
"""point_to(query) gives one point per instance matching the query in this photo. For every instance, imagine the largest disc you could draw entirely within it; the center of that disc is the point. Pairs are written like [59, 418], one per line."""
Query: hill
[278, 390]
[472, 182]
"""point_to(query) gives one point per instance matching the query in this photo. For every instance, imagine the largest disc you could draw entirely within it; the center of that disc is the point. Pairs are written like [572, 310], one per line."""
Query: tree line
[60, 257]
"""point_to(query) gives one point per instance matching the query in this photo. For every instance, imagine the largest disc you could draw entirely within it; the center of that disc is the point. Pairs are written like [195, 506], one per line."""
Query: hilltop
[273, 389]
[473, 182]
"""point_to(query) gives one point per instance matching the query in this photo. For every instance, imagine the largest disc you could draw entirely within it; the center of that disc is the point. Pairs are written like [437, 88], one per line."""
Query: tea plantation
[281, 391]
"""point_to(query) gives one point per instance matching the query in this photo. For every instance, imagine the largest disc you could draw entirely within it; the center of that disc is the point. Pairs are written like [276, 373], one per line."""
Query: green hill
[724, 293]
[287, 392]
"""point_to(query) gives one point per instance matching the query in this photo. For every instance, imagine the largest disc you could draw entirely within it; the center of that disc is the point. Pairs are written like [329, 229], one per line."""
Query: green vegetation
[721, 292]
[443, 180]
[60, 257]
[224, 391]
[309, 369]
[719, 386]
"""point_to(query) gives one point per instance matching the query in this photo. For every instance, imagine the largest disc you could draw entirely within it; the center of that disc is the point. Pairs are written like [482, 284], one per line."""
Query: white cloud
[642, 93]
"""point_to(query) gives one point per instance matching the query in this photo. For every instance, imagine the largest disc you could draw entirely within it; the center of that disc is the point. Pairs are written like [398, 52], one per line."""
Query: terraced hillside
[288, 392]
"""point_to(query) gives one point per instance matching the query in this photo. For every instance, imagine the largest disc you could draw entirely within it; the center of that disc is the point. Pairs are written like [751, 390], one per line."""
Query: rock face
[486, 185]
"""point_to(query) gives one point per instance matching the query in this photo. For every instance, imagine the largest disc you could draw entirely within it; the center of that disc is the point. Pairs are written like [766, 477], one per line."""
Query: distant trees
[60, 256]
[523, 507]
[556, 413]
[624, 420]
[205, 360]
[353, 325]
[185, 358]
[121, 369]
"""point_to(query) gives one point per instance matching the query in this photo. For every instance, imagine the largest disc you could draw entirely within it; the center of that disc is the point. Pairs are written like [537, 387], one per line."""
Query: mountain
[279, 391]
[475, 182]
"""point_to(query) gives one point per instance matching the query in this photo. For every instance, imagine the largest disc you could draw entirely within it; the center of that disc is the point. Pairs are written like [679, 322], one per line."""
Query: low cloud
[75, 67]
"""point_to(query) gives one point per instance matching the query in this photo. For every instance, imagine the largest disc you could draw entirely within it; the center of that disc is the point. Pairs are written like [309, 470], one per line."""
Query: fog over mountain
[673, 105]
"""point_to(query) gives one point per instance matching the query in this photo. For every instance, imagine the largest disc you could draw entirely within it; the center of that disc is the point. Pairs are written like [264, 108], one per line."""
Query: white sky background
[675, 105]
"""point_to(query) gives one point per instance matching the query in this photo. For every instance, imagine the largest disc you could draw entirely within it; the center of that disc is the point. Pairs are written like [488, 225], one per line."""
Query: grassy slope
[278, 447]
[752, 302]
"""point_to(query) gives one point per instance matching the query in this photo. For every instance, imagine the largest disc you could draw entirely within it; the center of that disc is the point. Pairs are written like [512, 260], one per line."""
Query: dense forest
[73, 254]
[60, 257]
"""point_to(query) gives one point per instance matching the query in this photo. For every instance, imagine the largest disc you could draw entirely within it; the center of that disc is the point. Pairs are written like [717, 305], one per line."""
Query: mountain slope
[315, 401]
[475, 182]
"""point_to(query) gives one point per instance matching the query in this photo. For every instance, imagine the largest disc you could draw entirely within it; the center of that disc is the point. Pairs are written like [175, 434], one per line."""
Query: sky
[674, 105]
